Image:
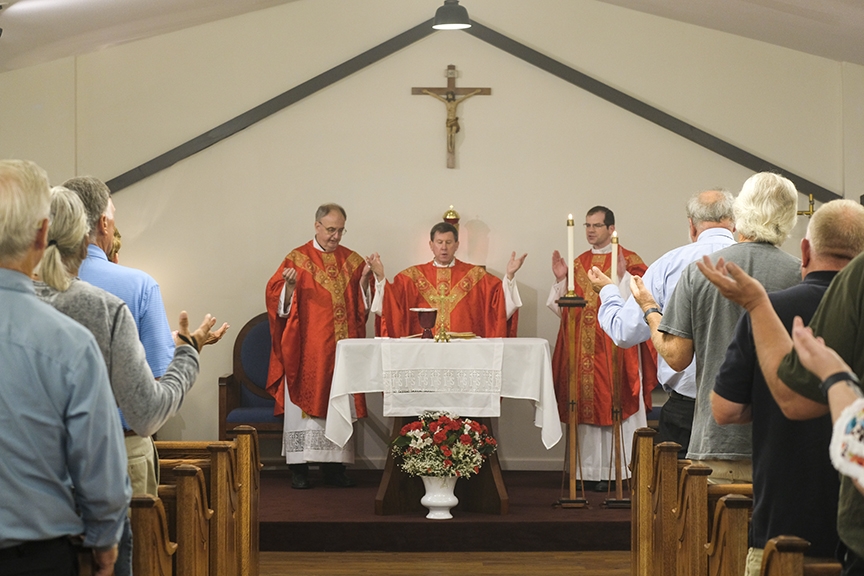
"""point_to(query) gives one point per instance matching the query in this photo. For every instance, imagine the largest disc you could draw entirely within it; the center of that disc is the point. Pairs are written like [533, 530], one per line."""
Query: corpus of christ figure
[450, 96]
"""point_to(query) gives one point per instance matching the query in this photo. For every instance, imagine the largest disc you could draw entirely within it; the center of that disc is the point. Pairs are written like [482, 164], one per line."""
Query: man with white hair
[64, 464]
[699, 322]
[709, 215]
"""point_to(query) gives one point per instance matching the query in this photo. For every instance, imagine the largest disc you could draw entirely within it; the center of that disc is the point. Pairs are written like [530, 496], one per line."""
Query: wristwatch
[651, 311]
[838, 377]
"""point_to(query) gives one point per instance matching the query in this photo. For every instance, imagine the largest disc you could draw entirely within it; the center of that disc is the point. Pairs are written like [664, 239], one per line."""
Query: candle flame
[569, 216]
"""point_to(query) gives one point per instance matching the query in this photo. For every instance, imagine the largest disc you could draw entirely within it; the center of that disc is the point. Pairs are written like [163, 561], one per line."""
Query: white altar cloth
[465, 377]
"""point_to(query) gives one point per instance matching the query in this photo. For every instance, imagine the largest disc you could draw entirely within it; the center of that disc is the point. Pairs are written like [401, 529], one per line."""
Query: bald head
[710, 209]
[836, 231]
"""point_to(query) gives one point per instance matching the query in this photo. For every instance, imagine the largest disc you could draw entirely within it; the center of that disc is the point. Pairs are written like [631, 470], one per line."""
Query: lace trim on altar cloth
[442, 380]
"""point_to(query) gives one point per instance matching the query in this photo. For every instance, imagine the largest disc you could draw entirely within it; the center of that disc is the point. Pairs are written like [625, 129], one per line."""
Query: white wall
[213, 228]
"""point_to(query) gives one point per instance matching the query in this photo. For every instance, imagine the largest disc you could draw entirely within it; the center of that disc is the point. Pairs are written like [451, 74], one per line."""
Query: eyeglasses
[588, 226]
[331, 230]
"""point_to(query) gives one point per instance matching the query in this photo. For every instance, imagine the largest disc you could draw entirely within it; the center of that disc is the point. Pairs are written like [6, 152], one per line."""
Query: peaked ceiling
[36, 31]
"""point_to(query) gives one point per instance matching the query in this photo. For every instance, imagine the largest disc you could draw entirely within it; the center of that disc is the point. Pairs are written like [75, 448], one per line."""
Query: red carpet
[326, 518]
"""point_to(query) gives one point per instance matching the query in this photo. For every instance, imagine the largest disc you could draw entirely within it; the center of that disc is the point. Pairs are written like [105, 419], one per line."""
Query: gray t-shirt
[146, 403]
[699, 312]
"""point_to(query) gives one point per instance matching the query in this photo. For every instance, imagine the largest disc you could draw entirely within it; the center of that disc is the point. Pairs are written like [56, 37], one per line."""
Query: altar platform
[329, 519]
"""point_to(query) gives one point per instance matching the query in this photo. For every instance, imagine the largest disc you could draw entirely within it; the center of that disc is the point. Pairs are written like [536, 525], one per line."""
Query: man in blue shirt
[64, 466]
[141, 294]
[135, 287]
[709, 214]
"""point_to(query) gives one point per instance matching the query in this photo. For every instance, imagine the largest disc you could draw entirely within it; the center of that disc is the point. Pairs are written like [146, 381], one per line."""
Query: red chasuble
[328, 306]
[467, 298]
[594, 352]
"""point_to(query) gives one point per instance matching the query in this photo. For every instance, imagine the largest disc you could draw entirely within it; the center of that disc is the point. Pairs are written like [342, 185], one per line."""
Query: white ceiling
[829, 28]
[36, 31]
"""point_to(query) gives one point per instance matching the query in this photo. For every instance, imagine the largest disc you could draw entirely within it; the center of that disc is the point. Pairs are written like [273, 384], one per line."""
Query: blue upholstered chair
[243, 398]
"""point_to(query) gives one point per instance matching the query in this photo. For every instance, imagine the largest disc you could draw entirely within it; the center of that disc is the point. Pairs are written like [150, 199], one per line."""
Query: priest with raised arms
[468, 299]
[318, 296]
[594, 352]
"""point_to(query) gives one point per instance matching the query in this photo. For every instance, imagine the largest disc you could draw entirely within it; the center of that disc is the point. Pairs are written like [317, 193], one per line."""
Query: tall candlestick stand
[619, 501]
[573, 456]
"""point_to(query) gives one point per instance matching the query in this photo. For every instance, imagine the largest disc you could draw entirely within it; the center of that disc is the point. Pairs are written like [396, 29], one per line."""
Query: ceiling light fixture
[451, 16]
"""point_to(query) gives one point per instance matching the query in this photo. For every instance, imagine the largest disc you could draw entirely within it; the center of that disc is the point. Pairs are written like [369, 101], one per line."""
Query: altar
[465, 377]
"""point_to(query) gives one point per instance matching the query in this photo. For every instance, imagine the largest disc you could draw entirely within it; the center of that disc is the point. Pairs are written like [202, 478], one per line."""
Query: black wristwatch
[651, 311]
[838, 377]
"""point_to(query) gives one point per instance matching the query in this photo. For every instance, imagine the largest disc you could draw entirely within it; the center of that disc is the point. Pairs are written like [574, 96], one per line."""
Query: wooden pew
[188, 519]
[249, 468]
[642, 519]
[694, 517]
[727, 549]
[218, 463]
[653, 501]
[153, 549]
[659, 542]
[653, 549]
[784, 556]
[664, 489]
[691, 520]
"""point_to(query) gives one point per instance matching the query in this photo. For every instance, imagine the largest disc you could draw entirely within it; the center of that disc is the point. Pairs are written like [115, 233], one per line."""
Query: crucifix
[450, 96]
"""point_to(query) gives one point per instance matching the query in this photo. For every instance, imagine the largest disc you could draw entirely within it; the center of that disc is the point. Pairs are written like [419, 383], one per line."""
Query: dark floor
[326, 518]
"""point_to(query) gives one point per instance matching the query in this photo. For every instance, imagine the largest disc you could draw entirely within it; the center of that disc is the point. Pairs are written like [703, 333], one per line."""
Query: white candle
[571, 287]
[615, 258]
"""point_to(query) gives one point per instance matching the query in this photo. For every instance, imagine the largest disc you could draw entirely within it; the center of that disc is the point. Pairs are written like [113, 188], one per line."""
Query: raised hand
[514, 264]
[202, 336]
[290, 277]
[622, 263]
[641, 294]
[373, 261]
[598, 279]
[559, 266]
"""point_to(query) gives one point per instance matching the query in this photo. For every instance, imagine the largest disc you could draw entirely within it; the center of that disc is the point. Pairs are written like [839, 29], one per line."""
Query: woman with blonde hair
[145, 403]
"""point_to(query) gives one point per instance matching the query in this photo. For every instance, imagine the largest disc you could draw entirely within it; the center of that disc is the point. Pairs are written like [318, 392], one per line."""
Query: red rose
[446, 451]
[448, 463]
[439, 437]
[465, 439]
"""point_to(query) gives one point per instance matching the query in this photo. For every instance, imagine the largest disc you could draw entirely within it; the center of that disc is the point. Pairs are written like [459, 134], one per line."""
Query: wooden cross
[449, 95]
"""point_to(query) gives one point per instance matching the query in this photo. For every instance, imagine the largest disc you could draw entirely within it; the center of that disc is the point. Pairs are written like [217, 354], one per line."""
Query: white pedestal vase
[439, 498]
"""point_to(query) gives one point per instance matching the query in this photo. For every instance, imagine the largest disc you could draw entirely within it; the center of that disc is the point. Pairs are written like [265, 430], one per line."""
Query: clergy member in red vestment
[594, 354]
[468, 299]
[318, 296]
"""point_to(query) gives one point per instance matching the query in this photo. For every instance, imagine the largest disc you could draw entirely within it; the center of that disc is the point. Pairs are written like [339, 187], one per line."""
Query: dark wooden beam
[645, 111]
[500, 41]
[271, 106]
